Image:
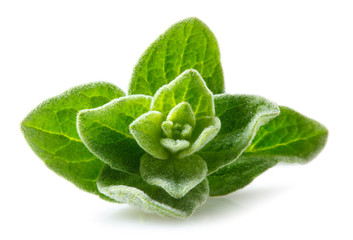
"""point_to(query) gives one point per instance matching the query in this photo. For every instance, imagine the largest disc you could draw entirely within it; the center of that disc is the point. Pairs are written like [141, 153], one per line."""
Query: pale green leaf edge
[267, 163]
[260, 121]
[136, 197]
[146, 139]
[205, 137]
[84, 139]
[173, 189]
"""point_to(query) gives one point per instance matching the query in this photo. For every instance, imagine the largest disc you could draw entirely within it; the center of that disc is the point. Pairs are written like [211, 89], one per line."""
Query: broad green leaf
[241, 116]
[290, 137]
[176, 176]
[50, 130]
[238, 174]
[128, 188]
[147, 131]
[189, 44]
[183, 114]
[206, 129]
[188, 87]
[105, 131]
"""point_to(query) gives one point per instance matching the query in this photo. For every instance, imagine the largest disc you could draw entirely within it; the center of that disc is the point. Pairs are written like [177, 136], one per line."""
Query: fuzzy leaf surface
[176, 176]
[147, 131]
[240, 116]
[183, 114]
[290, 137]
[189, 44]
[206, 129]
[131, 189]
[174, 146]
[188, 87]
[50, 130]
[105, 131]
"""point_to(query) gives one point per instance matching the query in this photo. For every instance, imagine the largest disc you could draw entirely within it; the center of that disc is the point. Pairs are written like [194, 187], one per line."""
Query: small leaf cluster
[176, 138]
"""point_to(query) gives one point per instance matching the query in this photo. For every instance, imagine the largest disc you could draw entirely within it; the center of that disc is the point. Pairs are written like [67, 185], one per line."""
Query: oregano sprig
[176, 138]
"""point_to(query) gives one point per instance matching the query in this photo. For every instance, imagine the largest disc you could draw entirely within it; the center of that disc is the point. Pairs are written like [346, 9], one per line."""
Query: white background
[296, 53]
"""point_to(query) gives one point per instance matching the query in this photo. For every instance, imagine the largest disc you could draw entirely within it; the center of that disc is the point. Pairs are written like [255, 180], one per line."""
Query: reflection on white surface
[215, 207]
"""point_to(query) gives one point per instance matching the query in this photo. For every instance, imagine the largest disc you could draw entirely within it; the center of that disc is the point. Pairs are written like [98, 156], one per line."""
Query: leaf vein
[285, 144]
[54, 133]
[114, 130]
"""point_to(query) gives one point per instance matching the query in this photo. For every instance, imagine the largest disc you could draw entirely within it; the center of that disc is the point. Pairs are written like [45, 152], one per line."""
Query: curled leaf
[290, 137]
[127, 188]
[176, 176]
[147, 131]
[105, 131]
[206, 129]
[240, 116]
[182, 114]
[188, 87]
[174, 146]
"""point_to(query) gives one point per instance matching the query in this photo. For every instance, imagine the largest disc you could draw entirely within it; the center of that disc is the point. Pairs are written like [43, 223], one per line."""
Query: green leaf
[182, 114]
[176, 176]
[147, 131]
[174, 145]
[189, 44]
[132, 189]
[206, 129]
[188, 87]
[50, 130]
[105, 131]
[167, 128]
[290, 137]
[241, 116]
[238, 174]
